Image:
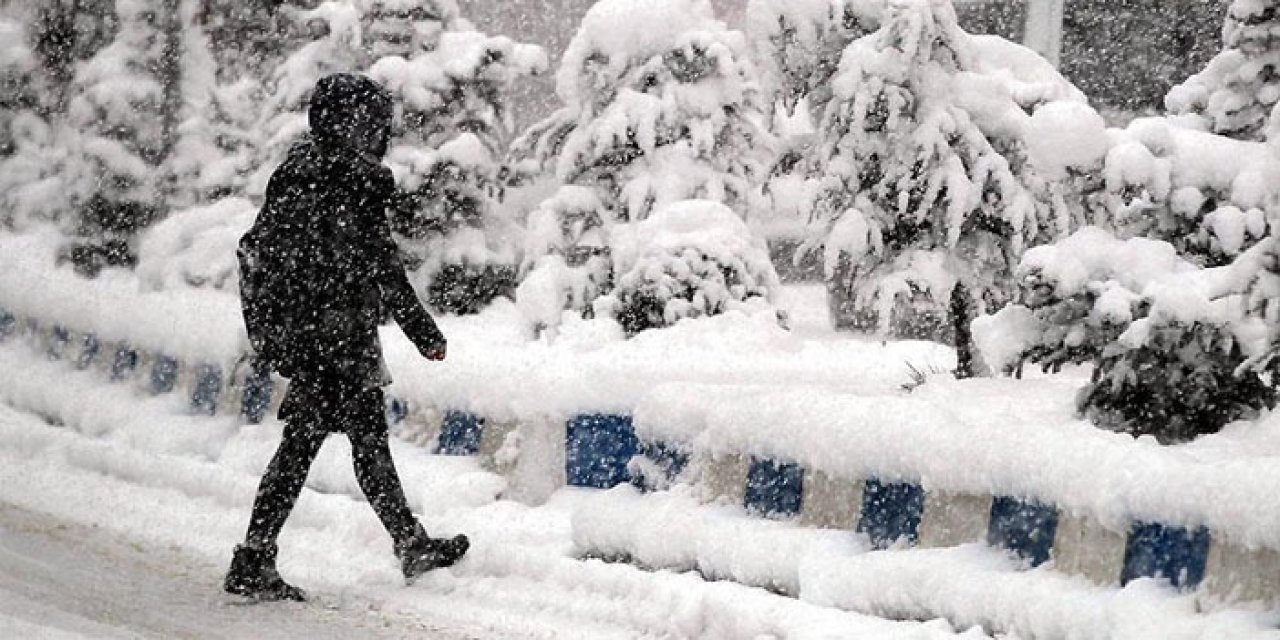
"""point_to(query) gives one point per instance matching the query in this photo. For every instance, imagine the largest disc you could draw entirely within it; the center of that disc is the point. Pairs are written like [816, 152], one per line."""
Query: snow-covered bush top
[451, 87]
[689, 259]
[1078, 295]
[1206, 194]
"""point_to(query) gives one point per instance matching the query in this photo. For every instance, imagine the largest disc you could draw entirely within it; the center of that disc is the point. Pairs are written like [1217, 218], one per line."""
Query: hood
[351, 111]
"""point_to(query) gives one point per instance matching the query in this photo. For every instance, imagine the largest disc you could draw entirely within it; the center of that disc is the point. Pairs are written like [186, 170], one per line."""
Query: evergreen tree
[799, 43]
[919, 185]
[661, 106]
[122, 111]
[452, 84]
[1235, 94]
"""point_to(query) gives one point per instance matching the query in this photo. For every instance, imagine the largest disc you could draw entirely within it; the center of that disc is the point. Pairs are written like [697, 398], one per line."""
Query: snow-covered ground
[139, 474]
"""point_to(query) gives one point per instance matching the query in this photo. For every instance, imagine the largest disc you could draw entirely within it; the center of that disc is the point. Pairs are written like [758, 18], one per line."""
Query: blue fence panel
[891, 512]
[255, 399]
[124, 363]
[204, 399]
[460, 434]
[597, 450]
[89, 348]
[774, 488]
[8, 324]
[1159, 551]
[1024, 527]
[164, 374]
[58, 339]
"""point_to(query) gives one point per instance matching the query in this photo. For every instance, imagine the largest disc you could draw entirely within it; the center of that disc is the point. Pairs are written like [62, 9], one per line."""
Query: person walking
[319, 269]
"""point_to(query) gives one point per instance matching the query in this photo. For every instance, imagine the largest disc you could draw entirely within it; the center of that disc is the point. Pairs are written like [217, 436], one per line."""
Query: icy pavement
[118, 524]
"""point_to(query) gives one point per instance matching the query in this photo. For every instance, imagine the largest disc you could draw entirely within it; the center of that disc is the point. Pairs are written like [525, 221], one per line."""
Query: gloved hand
[436, 352]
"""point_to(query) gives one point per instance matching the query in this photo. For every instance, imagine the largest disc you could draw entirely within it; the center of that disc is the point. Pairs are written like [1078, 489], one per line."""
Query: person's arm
[396, 291]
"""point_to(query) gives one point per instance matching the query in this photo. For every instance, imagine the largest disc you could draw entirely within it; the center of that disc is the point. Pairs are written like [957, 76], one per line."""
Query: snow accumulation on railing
[1001, 462]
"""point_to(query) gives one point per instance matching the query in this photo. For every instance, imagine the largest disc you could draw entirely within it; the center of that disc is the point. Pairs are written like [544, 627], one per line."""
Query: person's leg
[376, 470]
[282, 482]
[380, 482]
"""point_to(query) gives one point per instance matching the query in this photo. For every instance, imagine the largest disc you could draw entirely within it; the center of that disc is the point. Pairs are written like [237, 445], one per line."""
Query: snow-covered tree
[331, 42]
[799, 43]
[567, 261]
[661, 106]
[1236, 92]
[17, 87]
[122, 113]
[924, 177]
[452, 131]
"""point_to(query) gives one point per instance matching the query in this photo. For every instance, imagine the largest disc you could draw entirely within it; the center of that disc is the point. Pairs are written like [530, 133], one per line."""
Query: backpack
[278, 272]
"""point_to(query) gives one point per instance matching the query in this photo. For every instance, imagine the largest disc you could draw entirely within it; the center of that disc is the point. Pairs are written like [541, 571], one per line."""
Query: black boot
[253, 574]
[422, 553]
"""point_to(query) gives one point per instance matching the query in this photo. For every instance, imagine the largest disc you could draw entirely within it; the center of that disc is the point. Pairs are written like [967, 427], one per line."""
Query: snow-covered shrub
[1206, 194]
[1175, 353]
[661, 105]
[1075, 298]
[567, 262]
[195, 247]
[1236, 92]
[923, 177]
[1177, 373]
[689, 259]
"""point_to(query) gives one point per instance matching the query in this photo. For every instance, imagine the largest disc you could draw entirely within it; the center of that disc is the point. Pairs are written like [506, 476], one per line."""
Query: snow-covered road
[118, 513]
[64, 580]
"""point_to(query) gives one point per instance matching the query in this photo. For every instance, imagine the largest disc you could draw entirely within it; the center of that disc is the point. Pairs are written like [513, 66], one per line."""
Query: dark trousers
[311, 412]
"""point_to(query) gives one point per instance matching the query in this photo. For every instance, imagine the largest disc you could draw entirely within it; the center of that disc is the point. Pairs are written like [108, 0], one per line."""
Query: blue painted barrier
[124, 363]
[460, 434]
[255, 398]
[164, 374]
[1024, 527]
[891, 512]
[774, 489]
[1158, 551]
[58, 341]
[89, 348]
[397, 410]
[597, 450]
[204, 398]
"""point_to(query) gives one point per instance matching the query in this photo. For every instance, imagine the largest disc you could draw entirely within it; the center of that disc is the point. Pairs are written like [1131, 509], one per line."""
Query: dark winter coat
[325, 210]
